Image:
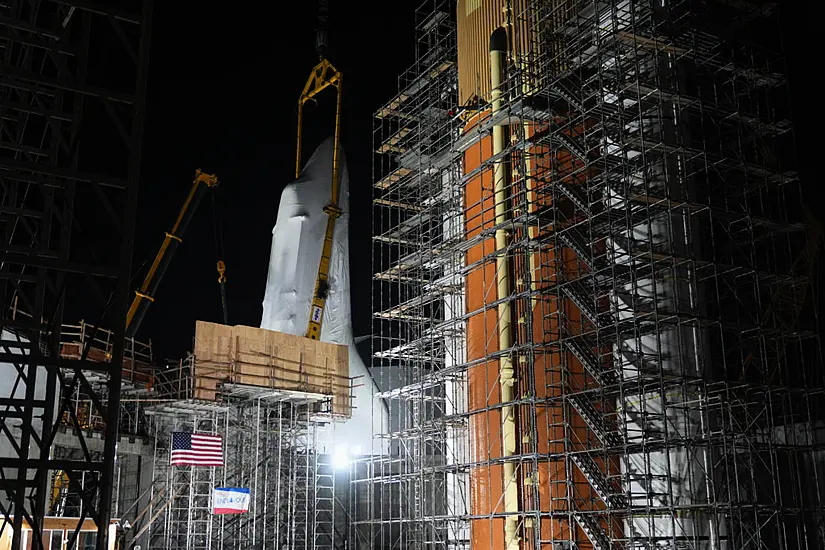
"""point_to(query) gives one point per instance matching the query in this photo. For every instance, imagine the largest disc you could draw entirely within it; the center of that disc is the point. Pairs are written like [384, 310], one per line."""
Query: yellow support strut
[323, 76]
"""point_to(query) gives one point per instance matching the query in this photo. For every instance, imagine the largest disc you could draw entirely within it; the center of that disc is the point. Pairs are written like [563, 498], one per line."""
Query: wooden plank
[391, 109]
[391, 145]
[396, 204]
[397, 175]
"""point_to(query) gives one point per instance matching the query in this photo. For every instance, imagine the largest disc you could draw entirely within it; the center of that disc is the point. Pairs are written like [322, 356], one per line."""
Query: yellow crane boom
[323, 76]
[145, 295]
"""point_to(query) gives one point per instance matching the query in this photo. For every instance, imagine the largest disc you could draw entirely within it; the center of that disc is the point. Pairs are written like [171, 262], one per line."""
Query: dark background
[223, 86]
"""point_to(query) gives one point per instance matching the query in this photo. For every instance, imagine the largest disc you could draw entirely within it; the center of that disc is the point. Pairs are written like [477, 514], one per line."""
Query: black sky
[223, 85]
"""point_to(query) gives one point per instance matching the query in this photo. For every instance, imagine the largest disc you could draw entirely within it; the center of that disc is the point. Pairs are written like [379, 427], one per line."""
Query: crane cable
[219, 252]
[321, 38]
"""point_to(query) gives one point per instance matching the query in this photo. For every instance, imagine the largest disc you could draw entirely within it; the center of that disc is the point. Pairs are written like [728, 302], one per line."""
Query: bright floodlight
[340, 457]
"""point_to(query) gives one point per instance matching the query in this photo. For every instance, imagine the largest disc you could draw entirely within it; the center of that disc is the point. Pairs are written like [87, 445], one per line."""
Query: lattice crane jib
[145, 295]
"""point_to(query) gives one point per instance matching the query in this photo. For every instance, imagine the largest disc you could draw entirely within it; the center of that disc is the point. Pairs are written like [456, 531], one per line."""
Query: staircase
[594, 420]
[585, 301]
[598, 481]
[593, 529]
[588, 358]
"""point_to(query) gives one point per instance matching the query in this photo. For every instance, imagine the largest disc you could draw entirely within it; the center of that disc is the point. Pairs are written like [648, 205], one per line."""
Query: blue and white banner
[227, 500]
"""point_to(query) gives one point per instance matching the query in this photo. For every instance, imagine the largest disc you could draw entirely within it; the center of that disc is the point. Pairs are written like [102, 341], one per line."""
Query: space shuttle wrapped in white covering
[297, 240]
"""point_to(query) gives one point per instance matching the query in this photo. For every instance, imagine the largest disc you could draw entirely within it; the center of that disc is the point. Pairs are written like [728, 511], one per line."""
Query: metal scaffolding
[276, 444]
[68, 213]
[594, 324]
[67, 499]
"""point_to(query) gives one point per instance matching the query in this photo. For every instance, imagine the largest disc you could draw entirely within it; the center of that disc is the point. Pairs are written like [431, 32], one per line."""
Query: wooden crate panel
[269, 359]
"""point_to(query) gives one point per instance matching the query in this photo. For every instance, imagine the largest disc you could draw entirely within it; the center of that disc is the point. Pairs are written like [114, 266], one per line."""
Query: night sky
[223, 88]
[223, 85]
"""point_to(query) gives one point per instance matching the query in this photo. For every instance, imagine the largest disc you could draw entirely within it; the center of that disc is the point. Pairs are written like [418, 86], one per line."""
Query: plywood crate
[268, 359]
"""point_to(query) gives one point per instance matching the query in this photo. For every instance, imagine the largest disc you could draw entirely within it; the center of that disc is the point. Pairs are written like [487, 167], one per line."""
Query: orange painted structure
[543, 371]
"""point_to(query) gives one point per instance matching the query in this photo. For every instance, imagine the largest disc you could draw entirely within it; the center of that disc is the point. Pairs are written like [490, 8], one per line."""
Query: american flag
[195, 449]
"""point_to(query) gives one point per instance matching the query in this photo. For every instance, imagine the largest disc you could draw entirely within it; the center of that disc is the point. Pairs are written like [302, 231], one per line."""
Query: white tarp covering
[297, 240]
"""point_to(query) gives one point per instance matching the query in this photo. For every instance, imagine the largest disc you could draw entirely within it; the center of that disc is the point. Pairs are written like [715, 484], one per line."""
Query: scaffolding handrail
[138, 352]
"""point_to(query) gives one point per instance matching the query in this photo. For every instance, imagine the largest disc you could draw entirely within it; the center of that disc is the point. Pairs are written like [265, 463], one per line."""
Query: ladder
[324, 508]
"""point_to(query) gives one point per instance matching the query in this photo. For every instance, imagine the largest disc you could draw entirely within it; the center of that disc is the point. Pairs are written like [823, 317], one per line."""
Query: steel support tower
[72, 94]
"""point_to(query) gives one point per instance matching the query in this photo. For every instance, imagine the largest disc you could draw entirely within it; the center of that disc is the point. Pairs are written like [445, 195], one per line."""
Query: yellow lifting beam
[324, 75]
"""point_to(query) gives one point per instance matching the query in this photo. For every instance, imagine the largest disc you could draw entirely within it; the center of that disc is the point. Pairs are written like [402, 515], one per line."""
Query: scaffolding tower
[593, 318]
[276, 444]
